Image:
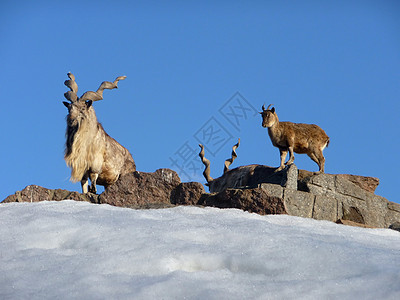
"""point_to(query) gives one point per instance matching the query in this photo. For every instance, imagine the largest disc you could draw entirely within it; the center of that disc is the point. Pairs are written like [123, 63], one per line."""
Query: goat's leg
[319, 159]
[283, 157]
[93, 179]
[291, 156]
[85, 183]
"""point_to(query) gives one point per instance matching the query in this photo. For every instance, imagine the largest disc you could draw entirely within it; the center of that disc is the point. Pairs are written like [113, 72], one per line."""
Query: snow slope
[77, 250]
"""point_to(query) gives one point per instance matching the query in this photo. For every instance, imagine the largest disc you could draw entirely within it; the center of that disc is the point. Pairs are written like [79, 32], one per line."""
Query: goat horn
[98, 95]
[206, 163]
[269, 106]
[71, 96]
[263, 107]
[71, 84]
[118, 79]
[229, 161]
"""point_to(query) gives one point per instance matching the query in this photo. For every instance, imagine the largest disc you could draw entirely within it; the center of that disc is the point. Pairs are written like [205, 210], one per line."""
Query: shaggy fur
[90, 152]
[295, 137]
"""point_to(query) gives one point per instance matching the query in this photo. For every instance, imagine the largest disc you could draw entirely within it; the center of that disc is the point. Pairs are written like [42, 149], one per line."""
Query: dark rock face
[345, 199]
[142, 190]
[252, 200]
[251, 176]
[395, 226]
[353, 214]
[187, 193]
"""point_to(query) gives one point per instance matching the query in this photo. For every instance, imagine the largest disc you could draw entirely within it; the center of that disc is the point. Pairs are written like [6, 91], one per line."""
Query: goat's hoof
[93, 191]
[279, 169]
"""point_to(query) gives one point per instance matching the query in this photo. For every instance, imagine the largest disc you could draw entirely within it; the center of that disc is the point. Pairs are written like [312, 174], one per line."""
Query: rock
[289, 178]
[142, 190]
[341, 198]
[253, 175]
[252, 200]
[35, 193]
[395, 226]
[299, 204]
[351, 223]
[272, 189]
[368, 184]
[353, 214]
[187, 193]
[325, 208]
[393, 214]
[337, 194]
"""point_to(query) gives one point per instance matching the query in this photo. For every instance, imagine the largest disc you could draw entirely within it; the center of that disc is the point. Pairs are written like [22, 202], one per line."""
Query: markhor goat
[89, 150]
[295, 137]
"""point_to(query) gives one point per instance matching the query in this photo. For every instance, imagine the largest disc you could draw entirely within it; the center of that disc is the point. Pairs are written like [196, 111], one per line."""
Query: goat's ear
[66, 104]
[89, 103]
[273, 110]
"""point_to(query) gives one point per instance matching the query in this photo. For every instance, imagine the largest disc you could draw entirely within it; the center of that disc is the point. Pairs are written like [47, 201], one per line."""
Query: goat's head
[79, 107]
[77, 111]
[269, 116]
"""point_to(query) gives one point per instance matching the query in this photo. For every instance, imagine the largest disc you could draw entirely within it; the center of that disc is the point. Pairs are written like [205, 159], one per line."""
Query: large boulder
[345, 197]
[142, 189]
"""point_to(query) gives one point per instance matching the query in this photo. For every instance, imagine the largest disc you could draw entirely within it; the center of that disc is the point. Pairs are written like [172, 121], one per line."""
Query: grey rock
[272, 189]
[298, 203]
[325, 208]
[289, 178]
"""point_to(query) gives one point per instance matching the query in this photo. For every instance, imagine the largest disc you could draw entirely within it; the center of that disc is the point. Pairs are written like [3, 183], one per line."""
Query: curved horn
[98, 95]
[263, 107]
[71, 96]
[90, 95]
[206, 163]
[229, 161]
[118, 79]
[269, 106]
[71, 84]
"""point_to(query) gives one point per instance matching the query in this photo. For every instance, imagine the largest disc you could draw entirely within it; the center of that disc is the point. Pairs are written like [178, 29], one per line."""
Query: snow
[78, 250]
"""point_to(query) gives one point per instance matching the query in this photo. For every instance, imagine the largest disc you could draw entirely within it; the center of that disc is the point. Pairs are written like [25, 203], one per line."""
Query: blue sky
[199, 72]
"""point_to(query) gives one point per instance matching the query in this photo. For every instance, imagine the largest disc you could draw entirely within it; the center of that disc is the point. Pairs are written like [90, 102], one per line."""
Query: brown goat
[89, 150]
[295, 137]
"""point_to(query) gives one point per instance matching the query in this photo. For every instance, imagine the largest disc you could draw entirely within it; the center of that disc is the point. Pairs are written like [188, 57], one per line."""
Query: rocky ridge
[341, 198]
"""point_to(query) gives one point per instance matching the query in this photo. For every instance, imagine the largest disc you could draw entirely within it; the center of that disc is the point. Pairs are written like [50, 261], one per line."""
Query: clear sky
[198, 71]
